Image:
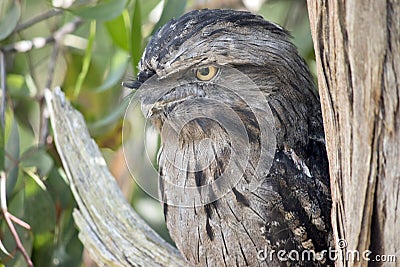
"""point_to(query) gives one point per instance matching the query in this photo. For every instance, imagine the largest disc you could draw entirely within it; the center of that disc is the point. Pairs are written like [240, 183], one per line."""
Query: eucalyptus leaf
[59, 189]
[68, 251]
[119, 63]
[12, 149]
[9, 18]
[86, 59]
[136, 36]
[172, 9]
[102, 11]
[16, 86]
[118, 29]
[43, 247]
[39, 204]
[4, 250]
[148, 6]
[39, 159]
[111, 118]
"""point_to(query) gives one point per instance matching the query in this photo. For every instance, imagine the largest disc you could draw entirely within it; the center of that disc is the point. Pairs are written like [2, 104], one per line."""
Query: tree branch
[110, 230]
[44, 117]
[39, 42]
[9, 218]
[37, 19]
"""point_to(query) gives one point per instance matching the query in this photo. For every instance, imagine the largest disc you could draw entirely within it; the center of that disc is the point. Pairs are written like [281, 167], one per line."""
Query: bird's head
[220, 56]
[224, 86]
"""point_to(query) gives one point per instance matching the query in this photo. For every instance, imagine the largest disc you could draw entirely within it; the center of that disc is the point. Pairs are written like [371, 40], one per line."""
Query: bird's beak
[142, 76]
[134, 84]
[159, 95]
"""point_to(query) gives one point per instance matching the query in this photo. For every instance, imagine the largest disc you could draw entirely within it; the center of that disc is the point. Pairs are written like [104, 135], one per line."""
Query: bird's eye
[206, 73]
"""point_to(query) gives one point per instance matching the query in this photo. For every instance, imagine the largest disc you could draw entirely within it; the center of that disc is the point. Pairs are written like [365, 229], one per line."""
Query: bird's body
[198, 62]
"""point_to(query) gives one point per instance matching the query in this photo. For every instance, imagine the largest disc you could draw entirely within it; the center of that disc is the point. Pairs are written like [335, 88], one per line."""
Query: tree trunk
[357, 46]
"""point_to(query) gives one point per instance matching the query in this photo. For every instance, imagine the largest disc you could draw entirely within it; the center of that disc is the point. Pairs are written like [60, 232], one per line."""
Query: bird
[243, 169]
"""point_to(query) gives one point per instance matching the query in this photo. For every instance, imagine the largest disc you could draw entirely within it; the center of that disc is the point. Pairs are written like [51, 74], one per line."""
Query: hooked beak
[141, 78]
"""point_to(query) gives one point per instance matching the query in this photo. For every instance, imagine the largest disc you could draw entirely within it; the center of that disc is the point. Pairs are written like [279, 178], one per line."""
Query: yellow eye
[206, 73]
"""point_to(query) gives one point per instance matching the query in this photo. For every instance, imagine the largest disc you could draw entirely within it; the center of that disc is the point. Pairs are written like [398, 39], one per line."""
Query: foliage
[88, 63]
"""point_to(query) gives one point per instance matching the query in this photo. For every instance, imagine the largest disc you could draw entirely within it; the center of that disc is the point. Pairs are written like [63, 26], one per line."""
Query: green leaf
[3, 249]
[12, 151]
[102, 11]
[147, 6]
[111, 118]
[55, 247]
[31, 172]
[39, 204]
[119, 62]
[68, 251]
[172, 9]
[59, 189]
[16, 86]
[9, 18]
[37, 159]
[136, 36]
[118, 29]
[86, 60]
[276, 11]
[27, 138]
[43, 248]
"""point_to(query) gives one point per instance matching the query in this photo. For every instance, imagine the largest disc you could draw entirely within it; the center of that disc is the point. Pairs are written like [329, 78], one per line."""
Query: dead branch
[109, 228]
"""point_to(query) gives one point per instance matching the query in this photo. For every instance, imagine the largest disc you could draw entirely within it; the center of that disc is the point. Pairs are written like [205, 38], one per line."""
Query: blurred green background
[89, 65]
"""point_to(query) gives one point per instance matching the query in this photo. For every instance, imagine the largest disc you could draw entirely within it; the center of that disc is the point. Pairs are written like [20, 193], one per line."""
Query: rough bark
[357, 47]
[109, 228]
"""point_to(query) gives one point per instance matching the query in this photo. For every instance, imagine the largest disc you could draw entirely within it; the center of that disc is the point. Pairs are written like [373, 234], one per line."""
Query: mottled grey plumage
[290, 208]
